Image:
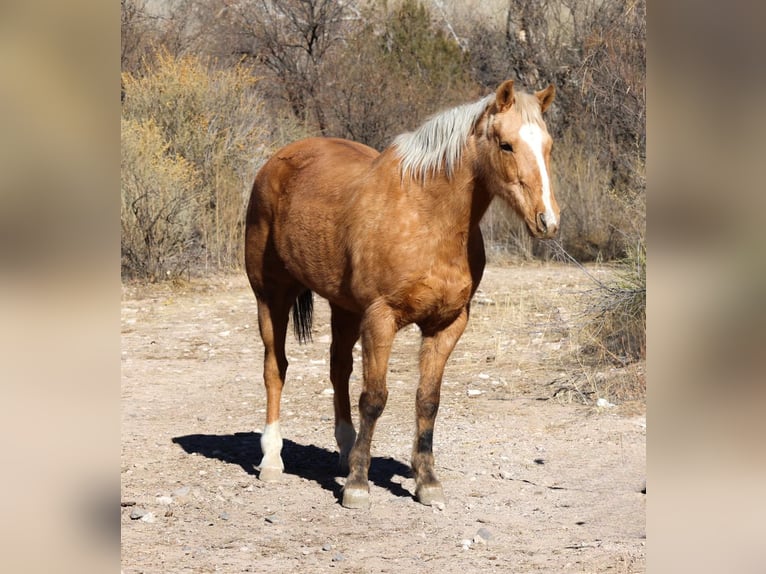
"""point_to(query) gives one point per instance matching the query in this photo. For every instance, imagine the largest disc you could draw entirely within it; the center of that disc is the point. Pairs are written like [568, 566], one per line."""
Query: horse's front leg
[434, 352]
[378, 330]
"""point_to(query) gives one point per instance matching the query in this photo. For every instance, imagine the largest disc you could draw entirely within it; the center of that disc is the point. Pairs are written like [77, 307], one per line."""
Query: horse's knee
[372, 403]
[427, 409]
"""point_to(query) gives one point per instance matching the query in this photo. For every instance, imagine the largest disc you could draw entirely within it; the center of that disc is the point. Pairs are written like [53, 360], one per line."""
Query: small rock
[505, 475]
[224, 516]
[474, 392]
[164, 500]
[338, 557]
[484, 376]
[137, 513]
[603, 403]
[272, 519]
[181, 494]
[148, 517]
[326, 547]
[484, 535]
[465, 543]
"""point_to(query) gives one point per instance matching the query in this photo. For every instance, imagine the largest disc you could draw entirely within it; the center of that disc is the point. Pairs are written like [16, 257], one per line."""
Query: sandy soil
[539, 476]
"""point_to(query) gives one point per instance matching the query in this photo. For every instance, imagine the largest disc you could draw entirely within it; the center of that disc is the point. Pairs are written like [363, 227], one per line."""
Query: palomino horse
[389, 239]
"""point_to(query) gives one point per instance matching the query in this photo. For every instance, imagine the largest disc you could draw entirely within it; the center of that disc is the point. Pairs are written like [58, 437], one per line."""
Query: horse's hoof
[431, 495]
[356, 498]
[270, 474]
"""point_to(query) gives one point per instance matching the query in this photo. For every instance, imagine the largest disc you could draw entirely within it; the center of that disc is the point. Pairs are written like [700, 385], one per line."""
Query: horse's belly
[320, 266]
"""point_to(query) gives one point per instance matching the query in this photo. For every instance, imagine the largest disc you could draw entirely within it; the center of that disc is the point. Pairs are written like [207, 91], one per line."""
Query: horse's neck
[481, 200]
[463, 196]
[461, 199]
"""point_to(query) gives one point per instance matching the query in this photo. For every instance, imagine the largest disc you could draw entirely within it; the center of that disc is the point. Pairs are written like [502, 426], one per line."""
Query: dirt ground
[539, 475]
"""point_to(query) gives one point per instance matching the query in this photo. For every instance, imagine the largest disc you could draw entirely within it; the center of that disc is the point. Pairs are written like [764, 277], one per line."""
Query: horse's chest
[436, 299]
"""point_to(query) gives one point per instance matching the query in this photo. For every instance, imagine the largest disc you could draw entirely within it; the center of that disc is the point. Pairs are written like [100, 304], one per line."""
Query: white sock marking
[271, 445]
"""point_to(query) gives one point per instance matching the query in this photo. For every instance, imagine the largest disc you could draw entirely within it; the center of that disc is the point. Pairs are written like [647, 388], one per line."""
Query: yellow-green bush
[193, 137]
[160, 194]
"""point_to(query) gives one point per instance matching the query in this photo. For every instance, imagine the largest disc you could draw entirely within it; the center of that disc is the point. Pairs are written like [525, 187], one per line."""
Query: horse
[389, 239]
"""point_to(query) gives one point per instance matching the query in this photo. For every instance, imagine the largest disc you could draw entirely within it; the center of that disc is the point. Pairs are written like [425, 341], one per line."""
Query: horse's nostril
[541, 222]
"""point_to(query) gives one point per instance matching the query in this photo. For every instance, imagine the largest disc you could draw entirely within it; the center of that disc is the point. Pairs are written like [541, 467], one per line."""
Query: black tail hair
[303, 314]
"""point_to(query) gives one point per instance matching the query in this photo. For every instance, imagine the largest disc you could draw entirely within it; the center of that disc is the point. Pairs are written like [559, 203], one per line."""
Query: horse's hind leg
[435, 350]
[273, 317]
[345, 332]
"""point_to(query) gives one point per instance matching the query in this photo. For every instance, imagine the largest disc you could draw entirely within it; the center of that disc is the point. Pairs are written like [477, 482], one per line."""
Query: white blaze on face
[533, 136]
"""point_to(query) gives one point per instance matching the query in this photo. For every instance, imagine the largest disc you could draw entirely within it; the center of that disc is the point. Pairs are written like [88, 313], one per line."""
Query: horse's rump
[301, 206]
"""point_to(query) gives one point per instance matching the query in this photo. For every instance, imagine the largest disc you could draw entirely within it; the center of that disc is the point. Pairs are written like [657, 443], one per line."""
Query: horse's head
[516, 149]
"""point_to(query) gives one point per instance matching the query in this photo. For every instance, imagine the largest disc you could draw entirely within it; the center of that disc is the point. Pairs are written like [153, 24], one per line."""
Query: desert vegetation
[211, 88]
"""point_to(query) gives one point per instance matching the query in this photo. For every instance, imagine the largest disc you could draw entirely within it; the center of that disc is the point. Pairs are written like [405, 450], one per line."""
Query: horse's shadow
[307, 461]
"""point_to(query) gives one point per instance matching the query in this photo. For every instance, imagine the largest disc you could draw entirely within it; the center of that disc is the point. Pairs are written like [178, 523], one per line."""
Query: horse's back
[313, 164]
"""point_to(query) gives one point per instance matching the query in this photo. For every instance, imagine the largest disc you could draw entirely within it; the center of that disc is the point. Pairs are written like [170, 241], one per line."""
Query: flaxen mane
[438, 143]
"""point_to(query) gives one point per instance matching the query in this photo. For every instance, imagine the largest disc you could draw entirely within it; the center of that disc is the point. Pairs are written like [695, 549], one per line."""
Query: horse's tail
[303, 313]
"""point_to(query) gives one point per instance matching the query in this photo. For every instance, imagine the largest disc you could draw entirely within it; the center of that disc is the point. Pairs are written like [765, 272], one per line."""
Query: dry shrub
[595, 216]
[616, 326]
[213, 124]
[158, 194]
[393, 72]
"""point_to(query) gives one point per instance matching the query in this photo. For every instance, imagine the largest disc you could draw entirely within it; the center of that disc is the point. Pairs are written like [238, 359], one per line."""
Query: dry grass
[618, 312]
[579, 332]
[607, 357]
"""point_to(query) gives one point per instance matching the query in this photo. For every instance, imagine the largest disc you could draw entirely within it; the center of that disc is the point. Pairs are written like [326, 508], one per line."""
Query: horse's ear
[504, 96]
[545, 97]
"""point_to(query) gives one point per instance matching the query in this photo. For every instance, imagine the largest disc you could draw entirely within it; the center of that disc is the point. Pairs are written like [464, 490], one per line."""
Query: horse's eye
[506, 146]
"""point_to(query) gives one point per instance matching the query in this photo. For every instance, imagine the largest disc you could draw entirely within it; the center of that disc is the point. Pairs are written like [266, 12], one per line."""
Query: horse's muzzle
[545, 226]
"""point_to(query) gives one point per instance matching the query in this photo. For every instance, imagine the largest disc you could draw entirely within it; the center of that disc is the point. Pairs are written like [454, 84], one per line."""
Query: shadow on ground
[307, 461]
